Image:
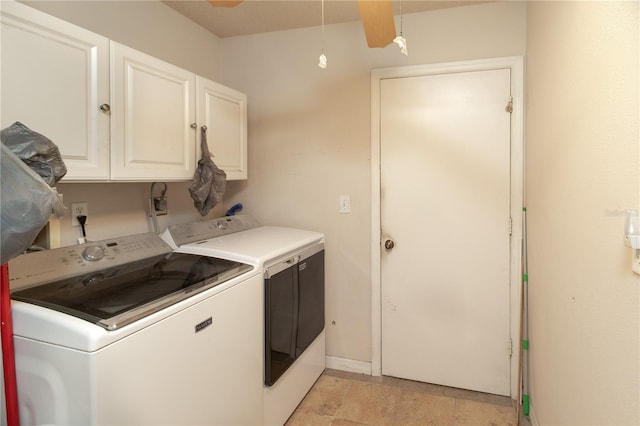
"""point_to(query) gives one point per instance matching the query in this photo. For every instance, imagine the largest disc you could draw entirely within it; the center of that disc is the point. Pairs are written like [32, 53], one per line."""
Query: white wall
[309, 134]
[149, 26]
[583, 171]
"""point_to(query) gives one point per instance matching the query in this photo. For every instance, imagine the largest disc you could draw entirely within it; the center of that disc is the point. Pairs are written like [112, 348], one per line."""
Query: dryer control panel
[185, 233]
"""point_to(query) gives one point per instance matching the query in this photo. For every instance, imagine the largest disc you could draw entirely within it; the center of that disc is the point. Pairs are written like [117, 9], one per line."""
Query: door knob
[389, 244]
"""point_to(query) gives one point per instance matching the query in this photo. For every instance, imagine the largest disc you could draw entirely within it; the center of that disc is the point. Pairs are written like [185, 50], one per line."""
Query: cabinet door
[151, 115]
[55, 76]
[224, 112]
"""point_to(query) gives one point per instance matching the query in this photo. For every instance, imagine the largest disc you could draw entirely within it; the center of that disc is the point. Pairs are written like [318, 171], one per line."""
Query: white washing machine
[292, 261]
[125, 331]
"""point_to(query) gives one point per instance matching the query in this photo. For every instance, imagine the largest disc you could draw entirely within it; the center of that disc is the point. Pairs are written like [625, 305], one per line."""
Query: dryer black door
[310, 300]
[294, 310]
[281, 309]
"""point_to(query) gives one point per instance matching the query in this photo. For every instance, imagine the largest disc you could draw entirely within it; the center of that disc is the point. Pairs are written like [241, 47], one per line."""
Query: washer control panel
[41, 267]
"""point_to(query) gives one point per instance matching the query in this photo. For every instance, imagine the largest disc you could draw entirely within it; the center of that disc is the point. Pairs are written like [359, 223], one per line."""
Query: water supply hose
[152, 207]
[232, 211]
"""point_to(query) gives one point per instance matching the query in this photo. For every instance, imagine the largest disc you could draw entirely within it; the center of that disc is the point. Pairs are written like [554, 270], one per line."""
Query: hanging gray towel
[27, 203]
[209, 182]
[36, 150]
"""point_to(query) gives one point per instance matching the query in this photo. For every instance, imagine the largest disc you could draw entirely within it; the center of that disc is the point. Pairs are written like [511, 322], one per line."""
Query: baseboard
[532, 416]
[351, 365]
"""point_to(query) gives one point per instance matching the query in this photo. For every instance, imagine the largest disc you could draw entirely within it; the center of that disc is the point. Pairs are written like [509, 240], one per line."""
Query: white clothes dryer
[292, 261]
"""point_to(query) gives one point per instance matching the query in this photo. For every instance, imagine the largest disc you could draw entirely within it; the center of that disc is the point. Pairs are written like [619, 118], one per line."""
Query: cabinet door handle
[194, 126]
[105, 108]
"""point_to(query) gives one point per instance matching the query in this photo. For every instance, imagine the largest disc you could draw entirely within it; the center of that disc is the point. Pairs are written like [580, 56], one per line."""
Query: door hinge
[509, 107]
[510, 226]
[510, 348]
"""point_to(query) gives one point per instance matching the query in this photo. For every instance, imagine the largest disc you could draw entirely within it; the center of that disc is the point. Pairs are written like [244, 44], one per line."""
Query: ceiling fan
[376, 15]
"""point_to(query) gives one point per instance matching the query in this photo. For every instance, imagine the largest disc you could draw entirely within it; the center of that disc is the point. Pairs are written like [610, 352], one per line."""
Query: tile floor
[340, 398]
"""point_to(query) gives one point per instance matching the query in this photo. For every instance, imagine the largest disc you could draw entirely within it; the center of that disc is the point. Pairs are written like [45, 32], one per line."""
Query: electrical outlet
[79, 209]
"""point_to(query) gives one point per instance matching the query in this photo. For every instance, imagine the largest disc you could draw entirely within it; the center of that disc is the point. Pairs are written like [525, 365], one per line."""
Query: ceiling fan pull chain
[400, 40]
[400, 17]
[322, 60]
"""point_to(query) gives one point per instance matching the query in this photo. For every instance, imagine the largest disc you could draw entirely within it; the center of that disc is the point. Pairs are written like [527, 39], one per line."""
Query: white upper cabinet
[152, 112]
[114, 112]
[55, 77]
[224, 112]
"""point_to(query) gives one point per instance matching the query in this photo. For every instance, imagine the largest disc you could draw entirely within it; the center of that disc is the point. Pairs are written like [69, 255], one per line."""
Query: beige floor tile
[473, 413]
[302, 417]
[343, 422]
[477, 396]
[422, 409]
[349, 399]
[326, 395]
[369, 403]
[414, 386]
[353, 376]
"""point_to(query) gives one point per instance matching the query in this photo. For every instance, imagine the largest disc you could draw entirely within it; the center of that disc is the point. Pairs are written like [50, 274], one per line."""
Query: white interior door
[445, 203]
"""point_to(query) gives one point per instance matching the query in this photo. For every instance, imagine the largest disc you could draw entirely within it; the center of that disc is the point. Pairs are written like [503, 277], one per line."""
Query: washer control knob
[389, 244]
[93, 254]
[92, 279]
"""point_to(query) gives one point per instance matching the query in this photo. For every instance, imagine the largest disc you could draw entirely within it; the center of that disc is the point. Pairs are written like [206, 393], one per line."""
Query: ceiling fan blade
[224, 3]
[378, 23]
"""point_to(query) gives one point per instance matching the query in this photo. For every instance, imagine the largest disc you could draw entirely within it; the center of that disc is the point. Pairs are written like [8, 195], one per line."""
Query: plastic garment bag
[36, 150]
[209, 182]
[27, 204]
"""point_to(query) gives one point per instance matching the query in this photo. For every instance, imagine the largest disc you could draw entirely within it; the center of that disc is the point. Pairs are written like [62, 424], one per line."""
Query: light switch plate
[345, 204]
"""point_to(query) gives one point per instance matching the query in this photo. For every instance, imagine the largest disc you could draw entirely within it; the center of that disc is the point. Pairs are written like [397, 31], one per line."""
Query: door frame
[516, 65]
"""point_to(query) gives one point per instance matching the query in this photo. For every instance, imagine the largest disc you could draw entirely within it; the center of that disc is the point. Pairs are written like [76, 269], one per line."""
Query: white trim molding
[532, 416]
[351, 365]
[516, 65]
